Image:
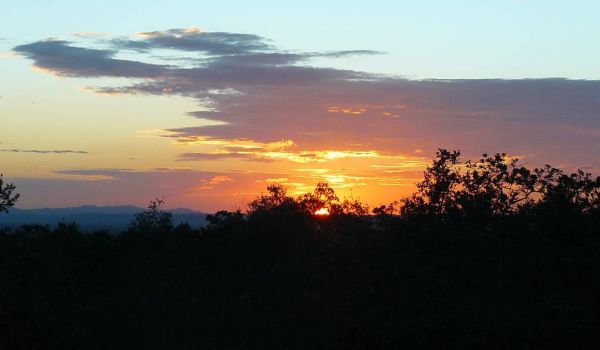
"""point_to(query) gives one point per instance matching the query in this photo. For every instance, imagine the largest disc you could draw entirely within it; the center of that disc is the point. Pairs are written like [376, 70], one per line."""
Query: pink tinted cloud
[262, 95]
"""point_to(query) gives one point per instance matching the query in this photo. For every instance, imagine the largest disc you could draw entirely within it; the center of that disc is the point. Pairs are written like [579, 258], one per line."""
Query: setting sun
[322, 212]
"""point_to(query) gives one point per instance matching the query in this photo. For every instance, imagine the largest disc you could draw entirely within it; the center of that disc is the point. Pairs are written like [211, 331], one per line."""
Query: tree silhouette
[354, 207]
[322, 197]
[152, 220]
[435, 194]
[276, 196]
[7, 196]
[497, 185]
[576, 192]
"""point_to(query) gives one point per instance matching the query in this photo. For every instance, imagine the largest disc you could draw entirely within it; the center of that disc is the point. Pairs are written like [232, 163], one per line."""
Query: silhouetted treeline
[487, 254]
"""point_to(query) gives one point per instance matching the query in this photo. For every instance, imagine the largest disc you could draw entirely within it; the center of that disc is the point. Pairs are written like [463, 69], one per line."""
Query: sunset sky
[207, 102]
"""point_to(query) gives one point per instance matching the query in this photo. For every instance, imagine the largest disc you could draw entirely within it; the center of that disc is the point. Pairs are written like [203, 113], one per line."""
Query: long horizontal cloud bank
[39, 151]
[262, 94]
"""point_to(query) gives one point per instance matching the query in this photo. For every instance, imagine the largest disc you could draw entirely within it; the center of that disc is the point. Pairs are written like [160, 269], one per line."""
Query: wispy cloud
[197, 156]
[38, 151]
[92, 34]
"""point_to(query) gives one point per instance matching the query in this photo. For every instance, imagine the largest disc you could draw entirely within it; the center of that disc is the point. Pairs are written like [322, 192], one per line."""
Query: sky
[205, 103]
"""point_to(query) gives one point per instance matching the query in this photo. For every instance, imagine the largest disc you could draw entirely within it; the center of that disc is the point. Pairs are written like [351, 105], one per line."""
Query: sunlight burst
[322, 212]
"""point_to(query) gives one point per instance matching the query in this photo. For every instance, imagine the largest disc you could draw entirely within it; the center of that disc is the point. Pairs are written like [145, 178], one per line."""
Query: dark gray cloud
[198, 156]
[213, 43]
[265, 94]
[61, 151]
[229, 59]
[94, 172]
[345, 53]
[553, 120]
[283, 58]
[218, 43]
[61, 58]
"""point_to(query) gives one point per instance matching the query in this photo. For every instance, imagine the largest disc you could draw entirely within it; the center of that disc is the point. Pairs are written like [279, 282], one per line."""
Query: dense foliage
[486, 254]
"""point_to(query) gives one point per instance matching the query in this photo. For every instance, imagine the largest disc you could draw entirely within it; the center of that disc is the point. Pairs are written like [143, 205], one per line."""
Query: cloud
[209, 184]
[62, 151]
[261, 94]
[197, 156]
[317, 156]
[91, 34]
[215, 180]
[61, 58]
[112, 172]
[193, 39]
[227, 59]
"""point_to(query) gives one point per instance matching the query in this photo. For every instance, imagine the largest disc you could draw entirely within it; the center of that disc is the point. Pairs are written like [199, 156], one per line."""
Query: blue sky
[422, 39]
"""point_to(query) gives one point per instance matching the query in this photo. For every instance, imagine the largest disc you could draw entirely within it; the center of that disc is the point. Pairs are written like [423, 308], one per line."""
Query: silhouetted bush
[498, 186]
[152, 220]
[7, 196]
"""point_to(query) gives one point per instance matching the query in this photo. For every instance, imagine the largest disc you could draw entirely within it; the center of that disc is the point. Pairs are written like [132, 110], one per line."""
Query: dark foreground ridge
[489, 256]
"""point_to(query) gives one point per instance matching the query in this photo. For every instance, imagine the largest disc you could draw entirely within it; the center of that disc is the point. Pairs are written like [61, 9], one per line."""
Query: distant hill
[91, 217]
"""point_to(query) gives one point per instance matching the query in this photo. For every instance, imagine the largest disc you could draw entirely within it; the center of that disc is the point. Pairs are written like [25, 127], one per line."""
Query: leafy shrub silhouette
[7, 196]
[496, 185]
[152, 220]
[322, 197]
